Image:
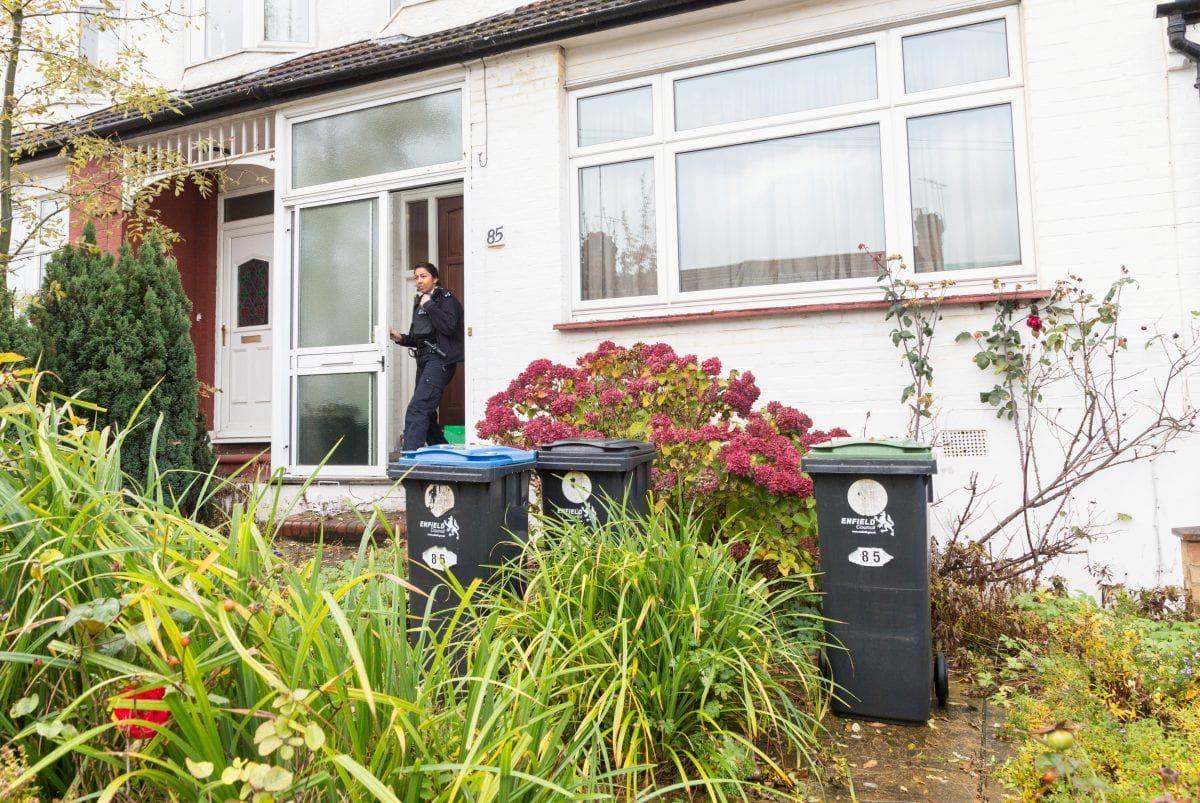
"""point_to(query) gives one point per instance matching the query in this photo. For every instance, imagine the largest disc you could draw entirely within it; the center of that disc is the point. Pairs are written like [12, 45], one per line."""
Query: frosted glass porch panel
[336, 412]
[337, 270]
[397, 136]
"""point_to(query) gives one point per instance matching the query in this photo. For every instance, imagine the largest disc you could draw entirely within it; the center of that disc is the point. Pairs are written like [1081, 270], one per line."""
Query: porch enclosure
[372, 190]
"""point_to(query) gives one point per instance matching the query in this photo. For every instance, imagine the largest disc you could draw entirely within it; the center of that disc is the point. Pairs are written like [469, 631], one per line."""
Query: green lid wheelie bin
[872, 521]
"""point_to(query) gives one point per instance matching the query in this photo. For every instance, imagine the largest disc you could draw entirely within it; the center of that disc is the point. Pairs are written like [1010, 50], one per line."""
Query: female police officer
[435, 338]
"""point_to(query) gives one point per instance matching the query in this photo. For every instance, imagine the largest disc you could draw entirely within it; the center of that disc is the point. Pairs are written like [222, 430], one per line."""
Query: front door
[427, 226]
[450, 250]
[243, 399]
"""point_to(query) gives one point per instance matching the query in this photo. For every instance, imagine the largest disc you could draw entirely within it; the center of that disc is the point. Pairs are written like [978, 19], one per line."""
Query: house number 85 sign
[870, 556]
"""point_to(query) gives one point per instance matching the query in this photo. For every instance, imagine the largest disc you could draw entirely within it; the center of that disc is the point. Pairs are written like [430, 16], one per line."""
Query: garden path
[946, 760]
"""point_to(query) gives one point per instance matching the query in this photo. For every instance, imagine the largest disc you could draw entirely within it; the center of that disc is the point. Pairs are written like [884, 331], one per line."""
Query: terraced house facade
[701, 173]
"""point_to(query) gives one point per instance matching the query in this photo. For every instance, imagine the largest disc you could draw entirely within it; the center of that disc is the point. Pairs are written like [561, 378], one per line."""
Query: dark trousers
[421, 425]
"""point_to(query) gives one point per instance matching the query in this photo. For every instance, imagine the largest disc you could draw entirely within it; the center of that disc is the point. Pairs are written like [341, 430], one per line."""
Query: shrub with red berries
[738, 466]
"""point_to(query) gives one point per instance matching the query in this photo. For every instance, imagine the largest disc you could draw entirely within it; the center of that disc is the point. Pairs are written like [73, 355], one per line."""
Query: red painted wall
[97, 189]
[194, 218]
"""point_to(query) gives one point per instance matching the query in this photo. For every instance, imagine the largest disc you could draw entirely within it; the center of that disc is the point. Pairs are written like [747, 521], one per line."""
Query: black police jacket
[446, 316]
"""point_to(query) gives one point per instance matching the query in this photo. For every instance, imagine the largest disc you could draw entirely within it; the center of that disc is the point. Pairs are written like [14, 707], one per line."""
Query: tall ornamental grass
[688, 663]
[144, 655]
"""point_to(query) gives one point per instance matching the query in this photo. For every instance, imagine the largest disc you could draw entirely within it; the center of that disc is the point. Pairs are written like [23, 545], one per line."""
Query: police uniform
[435, 338]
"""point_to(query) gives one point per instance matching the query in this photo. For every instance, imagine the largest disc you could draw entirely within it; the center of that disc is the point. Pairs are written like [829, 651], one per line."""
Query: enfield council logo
[871, 525]
[441, 529]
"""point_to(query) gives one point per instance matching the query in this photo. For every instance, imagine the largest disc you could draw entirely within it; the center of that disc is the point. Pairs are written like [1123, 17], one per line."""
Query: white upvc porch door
[338, 338]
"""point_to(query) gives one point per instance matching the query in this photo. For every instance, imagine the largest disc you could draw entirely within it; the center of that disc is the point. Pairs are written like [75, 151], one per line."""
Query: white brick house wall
[1113, 152]
[1112, 128]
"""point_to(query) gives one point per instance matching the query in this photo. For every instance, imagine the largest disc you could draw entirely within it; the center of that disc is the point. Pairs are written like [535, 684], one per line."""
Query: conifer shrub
[115, 332]
[17, 336]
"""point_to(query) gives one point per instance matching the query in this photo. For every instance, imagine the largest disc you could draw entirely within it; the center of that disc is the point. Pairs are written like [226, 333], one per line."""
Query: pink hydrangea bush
[737, 466]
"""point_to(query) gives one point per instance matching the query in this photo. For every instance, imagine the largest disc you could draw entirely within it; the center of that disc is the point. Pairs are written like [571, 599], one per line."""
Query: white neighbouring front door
[243, 399]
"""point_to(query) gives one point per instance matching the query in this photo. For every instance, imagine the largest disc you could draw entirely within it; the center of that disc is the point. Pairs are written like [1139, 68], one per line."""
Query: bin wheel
[941, 680]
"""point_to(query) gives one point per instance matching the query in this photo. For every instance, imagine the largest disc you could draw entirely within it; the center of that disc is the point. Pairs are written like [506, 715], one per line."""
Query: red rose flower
[157, 717]
[1034, 323]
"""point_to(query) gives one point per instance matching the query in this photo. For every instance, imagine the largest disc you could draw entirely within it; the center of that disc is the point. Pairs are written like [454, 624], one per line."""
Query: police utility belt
[427, 349]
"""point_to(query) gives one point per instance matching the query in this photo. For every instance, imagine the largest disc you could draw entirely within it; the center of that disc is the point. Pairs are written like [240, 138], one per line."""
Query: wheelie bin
[872, 521]
[466, 510]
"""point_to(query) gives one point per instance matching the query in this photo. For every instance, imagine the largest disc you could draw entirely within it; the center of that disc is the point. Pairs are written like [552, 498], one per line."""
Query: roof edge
[256, 90]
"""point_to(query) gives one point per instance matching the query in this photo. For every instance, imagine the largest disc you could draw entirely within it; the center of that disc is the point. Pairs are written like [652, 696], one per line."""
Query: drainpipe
[1180, 15]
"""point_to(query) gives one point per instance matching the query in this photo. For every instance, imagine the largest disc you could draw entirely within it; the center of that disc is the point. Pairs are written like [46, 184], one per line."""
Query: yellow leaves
[199, 769]
[44, 558]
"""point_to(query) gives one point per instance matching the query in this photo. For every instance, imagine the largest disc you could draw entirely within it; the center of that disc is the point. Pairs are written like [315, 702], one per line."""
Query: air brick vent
[963, 443]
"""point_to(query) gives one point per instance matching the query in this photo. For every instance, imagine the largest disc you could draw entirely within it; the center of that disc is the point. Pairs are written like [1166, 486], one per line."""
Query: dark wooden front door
[450, 268]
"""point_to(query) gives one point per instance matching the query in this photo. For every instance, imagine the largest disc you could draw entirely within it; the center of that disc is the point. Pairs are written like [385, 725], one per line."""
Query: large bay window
[722, 183]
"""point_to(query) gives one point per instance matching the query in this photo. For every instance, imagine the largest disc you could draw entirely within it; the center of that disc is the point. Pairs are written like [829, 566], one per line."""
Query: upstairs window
[233, 25]
[222, 27]
[89, 34]
[286, 20]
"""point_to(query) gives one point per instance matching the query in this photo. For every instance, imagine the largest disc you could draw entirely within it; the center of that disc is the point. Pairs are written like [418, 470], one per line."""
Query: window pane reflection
[333, 407]
[962, 171]
[782, 87]
[286, 20]
[618, 242]
[616, 116]
[956, 56]
[780, 211]
[222, 27]
[337, 274]
[399, 136]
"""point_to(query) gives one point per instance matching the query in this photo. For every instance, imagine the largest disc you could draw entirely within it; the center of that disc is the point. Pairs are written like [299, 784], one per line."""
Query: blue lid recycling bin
[466, 510]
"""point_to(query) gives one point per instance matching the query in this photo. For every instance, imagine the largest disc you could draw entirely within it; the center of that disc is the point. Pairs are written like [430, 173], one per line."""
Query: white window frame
[393, 178]
[254, 32]
[52, 235]
[890, 111]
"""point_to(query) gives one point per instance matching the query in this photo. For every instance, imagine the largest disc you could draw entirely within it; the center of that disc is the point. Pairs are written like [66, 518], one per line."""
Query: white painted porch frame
[289, 201]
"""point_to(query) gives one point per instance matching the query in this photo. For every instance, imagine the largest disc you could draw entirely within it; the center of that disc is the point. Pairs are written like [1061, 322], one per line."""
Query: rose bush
[717, 454]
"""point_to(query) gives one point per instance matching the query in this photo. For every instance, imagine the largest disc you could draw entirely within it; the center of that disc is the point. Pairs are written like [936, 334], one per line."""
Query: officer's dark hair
[429, 266]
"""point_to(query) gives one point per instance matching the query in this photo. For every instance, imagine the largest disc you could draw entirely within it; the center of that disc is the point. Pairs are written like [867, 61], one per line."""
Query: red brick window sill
[772, 312]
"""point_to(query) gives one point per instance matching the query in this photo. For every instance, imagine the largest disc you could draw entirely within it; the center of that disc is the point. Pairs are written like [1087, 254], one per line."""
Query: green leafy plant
[1130, 687]
[684, 660]
[146, 655]
[915, 311]
[1072, 347]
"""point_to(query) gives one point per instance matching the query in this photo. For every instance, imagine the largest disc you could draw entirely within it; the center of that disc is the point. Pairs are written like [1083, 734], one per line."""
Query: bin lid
[869, 456]
[595, 454]
[872, 449]
[448, 454]
[457, 463]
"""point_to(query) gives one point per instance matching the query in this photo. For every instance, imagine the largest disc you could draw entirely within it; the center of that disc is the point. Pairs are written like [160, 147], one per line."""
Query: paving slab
[948, 759]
